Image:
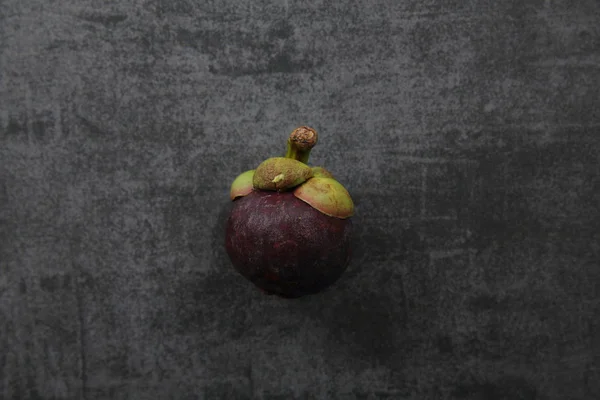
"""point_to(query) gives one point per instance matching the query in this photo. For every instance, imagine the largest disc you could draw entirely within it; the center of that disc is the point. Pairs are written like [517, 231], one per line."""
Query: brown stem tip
[304, 138]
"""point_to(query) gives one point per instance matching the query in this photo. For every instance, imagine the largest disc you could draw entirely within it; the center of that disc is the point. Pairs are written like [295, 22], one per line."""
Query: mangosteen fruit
[289, 228]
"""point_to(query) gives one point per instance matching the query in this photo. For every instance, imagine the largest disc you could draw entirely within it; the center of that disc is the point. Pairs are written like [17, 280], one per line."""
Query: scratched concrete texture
[468, 133]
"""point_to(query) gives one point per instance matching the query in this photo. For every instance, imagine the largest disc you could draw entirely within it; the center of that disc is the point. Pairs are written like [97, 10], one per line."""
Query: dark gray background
[466, 131]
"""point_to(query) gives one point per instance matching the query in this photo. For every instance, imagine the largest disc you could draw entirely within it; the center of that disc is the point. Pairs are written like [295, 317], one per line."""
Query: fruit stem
[301, 141]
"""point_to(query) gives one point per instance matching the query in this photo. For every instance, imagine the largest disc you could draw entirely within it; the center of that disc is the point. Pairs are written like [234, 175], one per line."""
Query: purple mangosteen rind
[289, 230]
[284, 246]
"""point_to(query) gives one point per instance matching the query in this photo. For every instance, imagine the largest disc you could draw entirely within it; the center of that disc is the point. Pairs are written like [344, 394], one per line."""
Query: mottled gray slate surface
[466, 131]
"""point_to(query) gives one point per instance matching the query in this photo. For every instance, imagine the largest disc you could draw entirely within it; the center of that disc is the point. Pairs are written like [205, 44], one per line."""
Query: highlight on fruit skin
[289, 230]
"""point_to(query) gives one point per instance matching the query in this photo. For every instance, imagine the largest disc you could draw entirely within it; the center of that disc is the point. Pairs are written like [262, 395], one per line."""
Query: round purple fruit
[289, 229]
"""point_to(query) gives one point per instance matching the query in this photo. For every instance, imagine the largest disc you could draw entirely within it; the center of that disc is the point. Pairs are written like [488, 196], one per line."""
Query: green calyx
[315, 186]
[242, 185]
[320, 172]
[328, 196]
[280, 173]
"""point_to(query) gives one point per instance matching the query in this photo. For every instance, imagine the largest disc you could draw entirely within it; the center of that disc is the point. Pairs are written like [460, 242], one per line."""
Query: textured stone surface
[466, 131]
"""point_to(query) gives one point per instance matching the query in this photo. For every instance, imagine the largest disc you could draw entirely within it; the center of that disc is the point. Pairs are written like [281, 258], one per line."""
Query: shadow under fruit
[289, 230]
